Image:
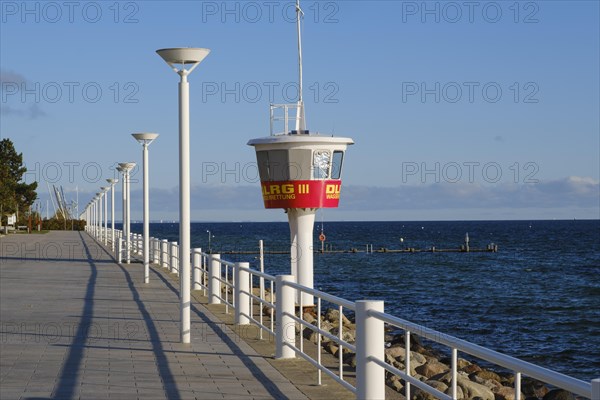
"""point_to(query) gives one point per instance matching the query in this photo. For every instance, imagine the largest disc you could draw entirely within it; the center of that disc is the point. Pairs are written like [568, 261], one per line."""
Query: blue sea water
[537, 299]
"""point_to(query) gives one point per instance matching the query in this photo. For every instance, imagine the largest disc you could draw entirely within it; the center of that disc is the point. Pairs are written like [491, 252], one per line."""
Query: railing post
[173, 263]
[285, 331]
[596, 389]
[196, 268]
[214, 274]
[119, 250]
[153, 250]
[242, 294]
[164, 253]
[370, 377]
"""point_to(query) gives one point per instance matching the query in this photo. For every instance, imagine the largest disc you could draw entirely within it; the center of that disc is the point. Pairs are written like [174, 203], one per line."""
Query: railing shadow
[162, 362]
[72, 365]
[269, 385]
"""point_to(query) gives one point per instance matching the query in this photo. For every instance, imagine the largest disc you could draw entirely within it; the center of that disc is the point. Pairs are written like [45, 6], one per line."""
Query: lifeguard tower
[300, 172]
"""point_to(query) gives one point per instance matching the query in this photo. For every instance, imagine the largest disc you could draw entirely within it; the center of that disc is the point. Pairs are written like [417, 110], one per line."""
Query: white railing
[518, 367]
[285, 118]
[287, 318]
[231, 284]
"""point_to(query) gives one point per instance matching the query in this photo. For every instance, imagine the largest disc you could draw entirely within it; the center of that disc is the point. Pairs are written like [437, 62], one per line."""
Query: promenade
[74, 324]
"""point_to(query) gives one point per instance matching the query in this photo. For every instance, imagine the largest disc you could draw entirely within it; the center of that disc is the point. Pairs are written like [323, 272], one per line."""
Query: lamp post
[99, 215]
[145, 139]
[126, 168]
[112, 183]
[123, 208]
[209, 248]
[183, 57]
[94, 216]
[105, 190]
[91, 215]
[90, 220]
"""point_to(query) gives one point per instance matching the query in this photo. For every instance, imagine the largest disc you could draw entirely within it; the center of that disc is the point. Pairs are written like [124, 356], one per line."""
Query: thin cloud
[578, 192]
[10, 76]
[31, 111]
[567, 192]
[580, 195]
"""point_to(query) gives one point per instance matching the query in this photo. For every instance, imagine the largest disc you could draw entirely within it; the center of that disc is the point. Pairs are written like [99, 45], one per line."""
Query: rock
[311, 335]
[431, 367]
[471, 390]
[445, 377]
[441, 386]
[395, 351]
[325, 325]
[395, 383]
[399, 339]
[486, 374]
[331, 347]
[471, 368]
[333, 316]
[504, 393]
[350, 359]
[462, 363]
[419, 394]
[559, 394]
[308, 317]
[533, 388]
[389, 359]
[419, 377]
[507, 379]
[347, 335]
[489, 383]
[268, 311]
[459, 392]
[416, 359]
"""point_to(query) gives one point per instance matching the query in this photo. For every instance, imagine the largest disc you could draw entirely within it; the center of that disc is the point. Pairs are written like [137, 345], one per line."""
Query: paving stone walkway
[74, 324]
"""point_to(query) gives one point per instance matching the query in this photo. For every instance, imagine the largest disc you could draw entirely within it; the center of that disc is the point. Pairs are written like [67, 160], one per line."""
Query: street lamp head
[145, 138]
[111, 180]
[127, 166]
[104, 189]
[183, 55]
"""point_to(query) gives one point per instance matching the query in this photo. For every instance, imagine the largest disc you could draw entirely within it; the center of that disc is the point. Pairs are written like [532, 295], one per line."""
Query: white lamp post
[99, 215]
[145, 139]
[90, 220]
[105, 190]
[183, 57]
[209, 248]
[126, 168]
[93, 214]
[112, 183]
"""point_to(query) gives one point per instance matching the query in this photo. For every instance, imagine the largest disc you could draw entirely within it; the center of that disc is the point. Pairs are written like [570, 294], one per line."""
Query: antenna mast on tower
[301, 117]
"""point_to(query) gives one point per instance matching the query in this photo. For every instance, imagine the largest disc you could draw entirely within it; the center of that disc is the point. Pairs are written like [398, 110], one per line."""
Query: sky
[458, 110]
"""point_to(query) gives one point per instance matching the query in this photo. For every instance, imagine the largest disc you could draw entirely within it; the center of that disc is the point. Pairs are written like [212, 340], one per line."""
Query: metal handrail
[514, 364]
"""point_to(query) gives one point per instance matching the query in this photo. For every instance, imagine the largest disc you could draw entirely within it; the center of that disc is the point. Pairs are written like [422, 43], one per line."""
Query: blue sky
[459, 110]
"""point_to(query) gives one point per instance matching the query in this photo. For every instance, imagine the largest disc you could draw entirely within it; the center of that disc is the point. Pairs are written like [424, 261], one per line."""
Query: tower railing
[284, 114]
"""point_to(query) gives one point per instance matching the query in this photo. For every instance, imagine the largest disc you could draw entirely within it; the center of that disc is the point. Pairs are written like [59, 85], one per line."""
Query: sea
[537, 298]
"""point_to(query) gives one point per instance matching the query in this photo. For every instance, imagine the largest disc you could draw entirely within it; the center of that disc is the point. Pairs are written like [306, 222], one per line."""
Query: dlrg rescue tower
[299, 172]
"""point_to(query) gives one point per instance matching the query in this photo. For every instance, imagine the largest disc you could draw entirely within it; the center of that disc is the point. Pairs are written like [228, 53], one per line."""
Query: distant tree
[14, 194]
